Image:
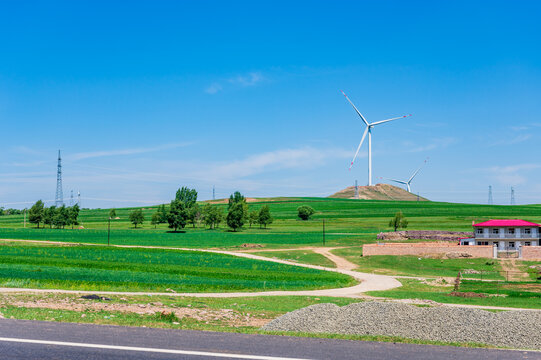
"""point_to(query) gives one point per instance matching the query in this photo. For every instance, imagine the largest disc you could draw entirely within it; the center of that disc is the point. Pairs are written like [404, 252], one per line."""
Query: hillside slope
[377, 192]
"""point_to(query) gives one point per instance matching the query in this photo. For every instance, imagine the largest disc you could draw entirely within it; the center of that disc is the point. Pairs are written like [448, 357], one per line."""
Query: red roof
[512, 223]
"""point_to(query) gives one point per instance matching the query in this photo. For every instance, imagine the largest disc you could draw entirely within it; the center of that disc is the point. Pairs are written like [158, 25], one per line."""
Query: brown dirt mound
[377, 192]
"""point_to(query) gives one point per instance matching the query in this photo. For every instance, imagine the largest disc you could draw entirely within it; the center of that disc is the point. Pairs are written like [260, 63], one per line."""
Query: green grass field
[301, 256]
[499, 293]
[348, 222]
[422, 266]
[151, 270]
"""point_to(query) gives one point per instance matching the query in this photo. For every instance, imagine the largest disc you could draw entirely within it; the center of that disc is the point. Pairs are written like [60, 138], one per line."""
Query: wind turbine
[408, 182]
[368, 130]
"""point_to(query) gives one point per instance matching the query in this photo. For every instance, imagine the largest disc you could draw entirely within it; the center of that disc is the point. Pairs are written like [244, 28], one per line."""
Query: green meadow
[151, 270]
[347, 223]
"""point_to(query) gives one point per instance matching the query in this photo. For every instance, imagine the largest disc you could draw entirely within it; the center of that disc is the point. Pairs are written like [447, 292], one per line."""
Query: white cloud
[243, 80]
[249, 79]
[434, 144]
[511, 175]
[94, 154]
[515, 140]
[213, 88]
[301, 158]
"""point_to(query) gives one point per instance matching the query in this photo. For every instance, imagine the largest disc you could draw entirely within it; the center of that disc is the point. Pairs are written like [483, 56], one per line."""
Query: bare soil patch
[229, 317]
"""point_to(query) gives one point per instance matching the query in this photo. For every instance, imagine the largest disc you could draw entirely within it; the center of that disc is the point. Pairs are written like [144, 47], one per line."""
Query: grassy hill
[377, 192]
[347, 222]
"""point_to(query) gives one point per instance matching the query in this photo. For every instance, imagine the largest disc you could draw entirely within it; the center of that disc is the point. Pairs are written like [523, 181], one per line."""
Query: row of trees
[10, 211]
[59, 217]
[184, 210]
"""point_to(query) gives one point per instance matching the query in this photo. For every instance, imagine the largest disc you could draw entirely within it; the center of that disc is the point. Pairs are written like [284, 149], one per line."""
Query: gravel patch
[515, 329]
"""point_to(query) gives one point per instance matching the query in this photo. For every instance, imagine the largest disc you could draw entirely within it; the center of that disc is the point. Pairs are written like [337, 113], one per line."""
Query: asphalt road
[22, 339]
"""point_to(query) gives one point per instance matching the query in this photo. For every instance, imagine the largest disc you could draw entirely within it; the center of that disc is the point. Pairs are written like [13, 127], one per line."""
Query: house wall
[420, 249]
[531, 253]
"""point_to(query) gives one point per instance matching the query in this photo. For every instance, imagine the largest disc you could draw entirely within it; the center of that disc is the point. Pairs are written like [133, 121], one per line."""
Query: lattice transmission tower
[490, 200]
[59, 198]
[512, 196]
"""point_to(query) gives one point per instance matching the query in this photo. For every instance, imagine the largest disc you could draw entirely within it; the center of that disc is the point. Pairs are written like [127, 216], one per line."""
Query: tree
[61, 217]
[163, 214]
[73, 215]
[305, 211]
[236, 216]
[253, 217]
[35, 214]
[399, 221]
[156, 218]
[177, 215]
[192, 214]
[137, 217]
[235, 198]
[264, 216]
[212, 215]
[112, 213]
[186, 196]
[48, 215]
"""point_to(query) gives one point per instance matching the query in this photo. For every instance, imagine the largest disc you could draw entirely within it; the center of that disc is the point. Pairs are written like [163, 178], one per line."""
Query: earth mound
[378, 192]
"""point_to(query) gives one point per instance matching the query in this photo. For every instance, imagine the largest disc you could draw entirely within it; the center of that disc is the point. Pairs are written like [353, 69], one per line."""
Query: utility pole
[323, 232]
[108, 230]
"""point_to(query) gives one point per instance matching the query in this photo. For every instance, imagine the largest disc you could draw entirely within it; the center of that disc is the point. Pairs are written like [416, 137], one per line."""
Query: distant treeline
[184, 210]
[58, 217]
[10, 211]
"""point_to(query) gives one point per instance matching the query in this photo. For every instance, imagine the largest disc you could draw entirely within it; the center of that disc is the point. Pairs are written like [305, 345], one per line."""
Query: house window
[527, 231]
[527, 243]
[495, 231]
[511, 231]
[479, 231]
[511, 244]
[482, 243]
[495, 243]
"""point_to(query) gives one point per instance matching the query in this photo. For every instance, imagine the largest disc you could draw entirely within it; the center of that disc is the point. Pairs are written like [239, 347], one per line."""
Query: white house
[505, 234]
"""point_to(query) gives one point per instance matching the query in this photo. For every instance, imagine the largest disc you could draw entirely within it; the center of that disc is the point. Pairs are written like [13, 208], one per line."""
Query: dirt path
[340, 262]
[512, 272]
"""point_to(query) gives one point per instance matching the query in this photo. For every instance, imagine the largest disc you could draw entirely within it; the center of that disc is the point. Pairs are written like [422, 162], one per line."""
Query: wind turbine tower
[368, 131]
[408, 182]
[490, 200]
[356, 190]
[59, 198]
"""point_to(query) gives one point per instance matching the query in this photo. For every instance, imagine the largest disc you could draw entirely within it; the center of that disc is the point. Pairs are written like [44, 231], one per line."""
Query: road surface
[23, 339]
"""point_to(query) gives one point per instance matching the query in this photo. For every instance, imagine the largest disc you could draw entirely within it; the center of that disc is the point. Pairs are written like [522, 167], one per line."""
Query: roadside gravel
[515, 329]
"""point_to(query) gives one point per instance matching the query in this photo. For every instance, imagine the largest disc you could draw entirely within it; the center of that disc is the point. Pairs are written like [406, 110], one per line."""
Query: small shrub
[166, 316]
[304, 212]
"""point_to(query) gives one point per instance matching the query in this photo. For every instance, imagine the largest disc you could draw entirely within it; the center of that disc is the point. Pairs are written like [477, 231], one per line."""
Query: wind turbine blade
[398, 181]
[358, 148]
[415, 173]
[358, 112]
[384, 121]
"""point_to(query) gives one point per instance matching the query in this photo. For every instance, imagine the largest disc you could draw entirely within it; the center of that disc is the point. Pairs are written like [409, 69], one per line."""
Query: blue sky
[145, 97]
